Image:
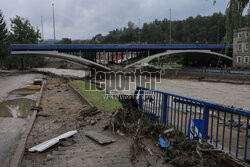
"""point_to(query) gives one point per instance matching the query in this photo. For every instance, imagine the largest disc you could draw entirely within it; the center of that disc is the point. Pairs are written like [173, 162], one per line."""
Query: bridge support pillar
[112, 56]
[99, 57]
[104, 56]
[122, 56]
[127, 56]
[108, 57]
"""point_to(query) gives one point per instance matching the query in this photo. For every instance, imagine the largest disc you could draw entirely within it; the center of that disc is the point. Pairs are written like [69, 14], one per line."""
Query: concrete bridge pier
[99, 53]
[127, 57]
[105, 57]
[112, 56]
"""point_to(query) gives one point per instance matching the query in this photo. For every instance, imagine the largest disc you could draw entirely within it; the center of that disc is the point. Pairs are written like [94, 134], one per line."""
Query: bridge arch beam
[171, 52]
[64, 56]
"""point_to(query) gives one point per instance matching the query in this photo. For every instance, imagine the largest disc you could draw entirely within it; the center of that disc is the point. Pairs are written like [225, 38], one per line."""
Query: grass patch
[97, 98]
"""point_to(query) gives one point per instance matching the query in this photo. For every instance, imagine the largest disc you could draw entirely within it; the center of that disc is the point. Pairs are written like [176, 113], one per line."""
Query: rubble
[179, 151]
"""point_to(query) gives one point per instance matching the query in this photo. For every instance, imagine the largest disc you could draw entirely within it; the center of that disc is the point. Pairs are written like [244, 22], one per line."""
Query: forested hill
[202, 29]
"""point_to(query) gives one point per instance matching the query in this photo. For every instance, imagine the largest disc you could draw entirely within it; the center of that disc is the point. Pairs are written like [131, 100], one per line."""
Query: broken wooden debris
[92, 122]
[99, 137]
[89, 111]
[47, 144]
[84, 124]
[43, 115]
[36, 108]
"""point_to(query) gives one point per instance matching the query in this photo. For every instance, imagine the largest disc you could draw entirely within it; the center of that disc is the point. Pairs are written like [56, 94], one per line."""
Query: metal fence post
[164, 109]
[205, 122]
[140, 99]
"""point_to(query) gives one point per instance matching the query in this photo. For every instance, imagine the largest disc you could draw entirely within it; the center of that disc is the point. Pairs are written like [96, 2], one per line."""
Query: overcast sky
[82, 19]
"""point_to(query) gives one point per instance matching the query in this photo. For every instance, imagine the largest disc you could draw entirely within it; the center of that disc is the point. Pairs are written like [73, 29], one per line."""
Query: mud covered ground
[61, 113]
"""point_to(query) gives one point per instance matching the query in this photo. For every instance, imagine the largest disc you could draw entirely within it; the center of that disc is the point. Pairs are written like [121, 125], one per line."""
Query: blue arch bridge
[101, 56]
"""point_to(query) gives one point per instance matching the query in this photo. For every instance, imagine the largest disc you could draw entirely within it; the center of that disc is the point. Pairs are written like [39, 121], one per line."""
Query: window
[239, 59]
[246, 47]
[246, 59]
[240, 35]
[239, 47]
[246, 34]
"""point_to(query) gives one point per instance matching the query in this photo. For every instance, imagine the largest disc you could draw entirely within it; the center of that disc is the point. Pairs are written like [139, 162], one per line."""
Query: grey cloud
[82, 19]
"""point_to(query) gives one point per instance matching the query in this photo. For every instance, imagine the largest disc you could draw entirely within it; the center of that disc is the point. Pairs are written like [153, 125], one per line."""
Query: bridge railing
[179, 44]
[224, 127]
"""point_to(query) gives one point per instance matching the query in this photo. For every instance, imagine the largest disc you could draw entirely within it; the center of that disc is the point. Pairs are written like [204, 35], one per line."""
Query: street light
[170, 30]
[139, 31]
[54, 23]
[42, 27]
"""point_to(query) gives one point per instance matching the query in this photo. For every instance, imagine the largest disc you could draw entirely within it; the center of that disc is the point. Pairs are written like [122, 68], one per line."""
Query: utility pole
[170, 30]
[139, 31]
[42, 28]
[54, 24]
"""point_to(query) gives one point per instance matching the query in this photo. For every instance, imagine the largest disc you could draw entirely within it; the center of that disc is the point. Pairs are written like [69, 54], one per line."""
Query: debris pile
[188, 152]
[130, 120]
[86, 114]
[178, 149]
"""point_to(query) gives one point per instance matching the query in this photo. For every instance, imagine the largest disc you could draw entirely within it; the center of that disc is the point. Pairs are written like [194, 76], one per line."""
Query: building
[241, 55]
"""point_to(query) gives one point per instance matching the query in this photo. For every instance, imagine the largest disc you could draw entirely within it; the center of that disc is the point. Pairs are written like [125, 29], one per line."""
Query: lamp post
[139, 31]
[54, 23]
[42, 27]
[170, 30]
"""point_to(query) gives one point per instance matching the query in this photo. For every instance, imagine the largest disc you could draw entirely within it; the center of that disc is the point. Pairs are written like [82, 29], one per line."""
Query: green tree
[22, 32]
[234, 17]
[65, 41]
[205, 29]
[3, 39]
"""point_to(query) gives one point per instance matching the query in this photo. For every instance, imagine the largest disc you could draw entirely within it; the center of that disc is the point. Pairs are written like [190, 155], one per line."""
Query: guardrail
[224, 127]
[114, 46]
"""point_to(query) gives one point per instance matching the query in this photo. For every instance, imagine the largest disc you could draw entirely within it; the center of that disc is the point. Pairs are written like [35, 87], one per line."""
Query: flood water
[16, 99]
[17, 108]
[65, 72]
[227, 94]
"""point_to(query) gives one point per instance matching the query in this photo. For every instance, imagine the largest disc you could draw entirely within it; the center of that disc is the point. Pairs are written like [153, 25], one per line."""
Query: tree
[3, 39]
[65, 41]
[234, 17]
[22, 32]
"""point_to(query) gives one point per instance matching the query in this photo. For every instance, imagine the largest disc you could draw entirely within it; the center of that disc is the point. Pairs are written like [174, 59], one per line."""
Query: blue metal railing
[19, 47]
[224, 127]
